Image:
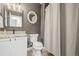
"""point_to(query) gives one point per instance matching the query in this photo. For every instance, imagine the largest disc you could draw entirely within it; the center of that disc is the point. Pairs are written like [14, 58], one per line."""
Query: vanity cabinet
[19, 46]
[16, 46]
[5, 47]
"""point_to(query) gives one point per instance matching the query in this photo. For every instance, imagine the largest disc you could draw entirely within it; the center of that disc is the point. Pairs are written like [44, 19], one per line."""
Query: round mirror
[32, 17]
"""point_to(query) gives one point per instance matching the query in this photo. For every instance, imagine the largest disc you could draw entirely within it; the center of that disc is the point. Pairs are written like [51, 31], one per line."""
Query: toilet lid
[37, 45]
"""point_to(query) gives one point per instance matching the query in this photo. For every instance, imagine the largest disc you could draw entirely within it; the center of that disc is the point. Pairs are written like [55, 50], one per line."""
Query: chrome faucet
[13, 31]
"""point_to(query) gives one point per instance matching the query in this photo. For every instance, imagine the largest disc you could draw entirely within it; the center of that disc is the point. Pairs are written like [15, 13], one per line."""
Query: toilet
[37, 46]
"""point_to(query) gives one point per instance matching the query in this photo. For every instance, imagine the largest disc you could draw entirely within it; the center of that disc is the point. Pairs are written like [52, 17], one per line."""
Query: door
[4, 47]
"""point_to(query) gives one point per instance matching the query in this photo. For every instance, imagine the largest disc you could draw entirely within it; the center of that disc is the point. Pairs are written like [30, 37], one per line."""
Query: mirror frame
[2, 21]
[7, 17]
[35, 17]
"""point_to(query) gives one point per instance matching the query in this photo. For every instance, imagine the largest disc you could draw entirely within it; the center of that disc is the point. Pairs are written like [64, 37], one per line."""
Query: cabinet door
[19, 46]
[4, 47]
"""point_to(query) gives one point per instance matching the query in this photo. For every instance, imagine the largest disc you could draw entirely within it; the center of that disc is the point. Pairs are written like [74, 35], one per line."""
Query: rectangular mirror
[14, 19]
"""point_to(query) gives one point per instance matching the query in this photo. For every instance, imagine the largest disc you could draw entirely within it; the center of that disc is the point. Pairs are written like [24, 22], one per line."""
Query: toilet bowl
[37, 46]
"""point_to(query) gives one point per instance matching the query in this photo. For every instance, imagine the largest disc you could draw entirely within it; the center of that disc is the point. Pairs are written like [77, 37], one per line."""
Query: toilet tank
[34, 37]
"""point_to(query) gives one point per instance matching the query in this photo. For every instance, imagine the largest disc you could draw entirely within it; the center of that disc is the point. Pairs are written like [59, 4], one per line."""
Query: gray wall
[42, 29]
[42, 22]
[63, 29]
[30, 28]
[77, 42]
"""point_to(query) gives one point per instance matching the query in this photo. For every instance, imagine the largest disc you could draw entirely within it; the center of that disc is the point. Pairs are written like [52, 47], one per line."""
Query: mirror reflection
[15, 21]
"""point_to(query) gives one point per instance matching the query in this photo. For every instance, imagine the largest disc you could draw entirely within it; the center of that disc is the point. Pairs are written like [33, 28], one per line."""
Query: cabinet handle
[10, 40]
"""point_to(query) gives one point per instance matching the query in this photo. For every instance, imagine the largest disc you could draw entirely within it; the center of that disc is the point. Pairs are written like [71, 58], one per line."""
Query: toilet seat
[37, 46]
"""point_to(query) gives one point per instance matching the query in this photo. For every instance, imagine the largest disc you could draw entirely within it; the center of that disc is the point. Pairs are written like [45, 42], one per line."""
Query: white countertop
[11, 35]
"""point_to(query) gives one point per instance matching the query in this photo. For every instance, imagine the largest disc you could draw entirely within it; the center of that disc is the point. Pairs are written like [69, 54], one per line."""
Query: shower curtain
[52, 28]
[71, 28]
[52, 40]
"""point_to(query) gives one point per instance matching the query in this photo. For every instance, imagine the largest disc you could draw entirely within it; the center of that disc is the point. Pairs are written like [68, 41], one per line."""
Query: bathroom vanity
[13, 45]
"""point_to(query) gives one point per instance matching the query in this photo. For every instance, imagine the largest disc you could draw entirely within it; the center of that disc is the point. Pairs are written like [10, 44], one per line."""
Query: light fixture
[8, 6]
[14, 7]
